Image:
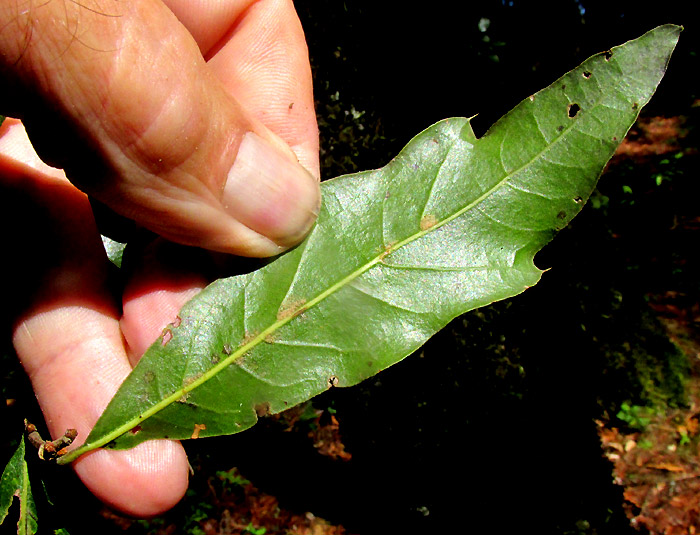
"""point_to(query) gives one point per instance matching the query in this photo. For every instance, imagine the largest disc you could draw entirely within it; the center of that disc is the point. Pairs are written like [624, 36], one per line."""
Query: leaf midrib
[293, 313]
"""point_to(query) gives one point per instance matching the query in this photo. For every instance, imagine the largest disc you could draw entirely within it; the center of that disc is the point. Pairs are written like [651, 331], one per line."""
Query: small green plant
[635, 416]
[254, 531]
[645, 444]
[232, 478]
[199, 512]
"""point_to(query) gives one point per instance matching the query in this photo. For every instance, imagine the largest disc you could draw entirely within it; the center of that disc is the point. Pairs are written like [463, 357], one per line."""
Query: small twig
[49, 450]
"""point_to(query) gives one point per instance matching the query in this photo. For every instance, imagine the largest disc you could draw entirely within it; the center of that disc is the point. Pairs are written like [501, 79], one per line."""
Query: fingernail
[270, 193]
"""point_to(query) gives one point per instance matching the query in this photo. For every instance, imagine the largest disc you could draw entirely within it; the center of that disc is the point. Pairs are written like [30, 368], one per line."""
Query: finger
[258, 50]
[66, 333]
[148, 129]
[160, 278]
[163, 277]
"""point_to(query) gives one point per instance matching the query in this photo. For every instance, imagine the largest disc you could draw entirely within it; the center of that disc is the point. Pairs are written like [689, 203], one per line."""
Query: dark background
[414, 67]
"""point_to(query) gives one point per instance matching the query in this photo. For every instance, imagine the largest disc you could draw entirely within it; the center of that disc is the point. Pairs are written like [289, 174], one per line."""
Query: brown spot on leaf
[333, 381]
[387, 250]
[167, 336]
[191, 379]
[135, 430]
[291, 309]
[428, 221]
[227, 349]
[262, 409]
[198, 428]
[177, 322]
[248, 337]
[242, 360]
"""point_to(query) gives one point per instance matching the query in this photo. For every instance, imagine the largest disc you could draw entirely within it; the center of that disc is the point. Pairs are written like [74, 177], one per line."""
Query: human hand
[182, 125]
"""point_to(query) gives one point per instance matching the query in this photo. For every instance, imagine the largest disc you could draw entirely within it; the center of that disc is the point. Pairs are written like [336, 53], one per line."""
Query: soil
[657, 464]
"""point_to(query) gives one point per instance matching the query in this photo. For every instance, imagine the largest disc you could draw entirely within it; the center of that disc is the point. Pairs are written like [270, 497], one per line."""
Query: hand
[180, 118]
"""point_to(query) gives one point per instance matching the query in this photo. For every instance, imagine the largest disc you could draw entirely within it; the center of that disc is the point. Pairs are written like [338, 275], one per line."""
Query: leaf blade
[15, 483]
[452, 223]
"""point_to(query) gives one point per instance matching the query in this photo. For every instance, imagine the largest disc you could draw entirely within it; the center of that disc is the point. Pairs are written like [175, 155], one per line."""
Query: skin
[146, 111]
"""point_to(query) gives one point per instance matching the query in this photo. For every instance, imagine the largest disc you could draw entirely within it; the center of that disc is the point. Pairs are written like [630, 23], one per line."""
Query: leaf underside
[451, 224]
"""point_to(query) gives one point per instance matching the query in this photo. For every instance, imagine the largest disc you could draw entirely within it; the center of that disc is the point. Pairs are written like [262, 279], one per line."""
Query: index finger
[66, 329]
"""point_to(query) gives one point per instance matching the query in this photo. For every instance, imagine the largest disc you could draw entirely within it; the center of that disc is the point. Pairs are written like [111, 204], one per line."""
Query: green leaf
[114, 250]
[451, 224]
[15, 483]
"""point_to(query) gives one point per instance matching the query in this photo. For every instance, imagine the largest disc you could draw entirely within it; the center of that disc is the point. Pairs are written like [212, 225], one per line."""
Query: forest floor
[656, 458]
[230, 504]
[658, 465]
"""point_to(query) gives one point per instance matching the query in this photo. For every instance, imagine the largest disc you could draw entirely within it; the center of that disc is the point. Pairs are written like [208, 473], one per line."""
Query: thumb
[118, 94]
